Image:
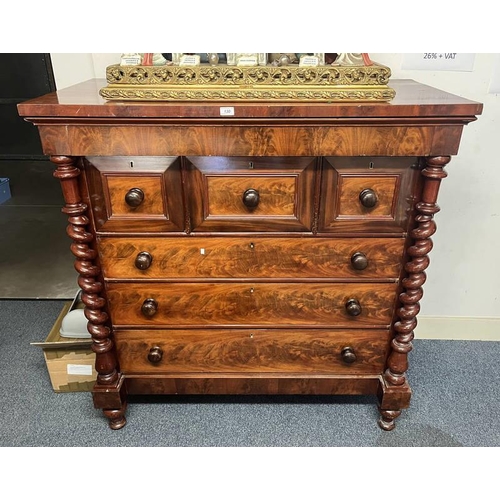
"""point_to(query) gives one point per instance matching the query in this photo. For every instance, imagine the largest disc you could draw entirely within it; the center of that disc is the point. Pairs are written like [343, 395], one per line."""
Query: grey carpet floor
[456, 402]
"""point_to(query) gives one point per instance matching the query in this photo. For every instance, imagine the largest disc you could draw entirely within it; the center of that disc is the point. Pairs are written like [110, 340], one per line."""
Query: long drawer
[250, 257]
[246, 351]
[240, 304]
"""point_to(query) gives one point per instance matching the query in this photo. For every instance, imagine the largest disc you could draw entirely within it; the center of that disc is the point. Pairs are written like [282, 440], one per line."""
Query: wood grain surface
[266, 304]
[250, 257]
[384, 188]
[246, 351]
[250, 140]
[252, 384]
[413, 101]
[394, 181]
[215, 188]
[276, 195]
[118, 185]
[110, 178]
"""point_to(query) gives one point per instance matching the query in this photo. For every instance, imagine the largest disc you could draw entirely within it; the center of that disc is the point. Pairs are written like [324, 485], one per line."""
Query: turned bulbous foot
[116, 418]
[387, 417]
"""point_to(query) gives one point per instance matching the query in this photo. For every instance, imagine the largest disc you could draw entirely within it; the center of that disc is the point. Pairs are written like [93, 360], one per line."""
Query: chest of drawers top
[420, 120]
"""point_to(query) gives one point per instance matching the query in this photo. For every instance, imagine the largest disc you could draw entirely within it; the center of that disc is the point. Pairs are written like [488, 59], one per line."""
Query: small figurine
[353, 59]
[283, 59]
[213, 58]
[147, 59]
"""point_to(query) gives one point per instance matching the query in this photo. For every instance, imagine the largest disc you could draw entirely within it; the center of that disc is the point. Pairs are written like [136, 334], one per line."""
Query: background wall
[461, 293]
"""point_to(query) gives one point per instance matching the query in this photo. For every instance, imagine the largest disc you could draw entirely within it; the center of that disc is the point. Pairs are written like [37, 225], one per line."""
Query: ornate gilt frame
[322, 83]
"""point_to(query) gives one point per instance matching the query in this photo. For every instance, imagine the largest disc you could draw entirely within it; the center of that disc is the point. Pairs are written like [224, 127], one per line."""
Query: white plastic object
[74, 325]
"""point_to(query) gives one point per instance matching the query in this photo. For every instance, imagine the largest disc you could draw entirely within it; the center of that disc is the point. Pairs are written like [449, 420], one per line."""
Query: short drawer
[250, 193]
[136, 194]
[363, 194]
[251, 304]
[245, 351]
[256, 257]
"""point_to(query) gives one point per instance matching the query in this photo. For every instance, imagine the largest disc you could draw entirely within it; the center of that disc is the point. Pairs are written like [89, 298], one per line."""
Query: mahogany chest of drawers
[281, 250]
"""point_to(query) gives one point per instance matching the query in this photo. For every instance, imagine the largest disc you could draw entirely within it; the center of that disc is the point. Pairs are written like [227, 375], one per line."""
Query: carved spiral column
[107, 376]
[401, 345]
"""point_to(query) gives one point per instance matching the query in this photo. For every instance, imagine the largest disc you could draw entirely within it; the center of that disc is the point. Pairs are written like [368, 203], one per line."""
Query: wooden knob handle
[353, 307]
[251, 198]
[348, 355]
[134, 197]
[149, 308]
[143, 260]
[359, 261]
[368, 198]
[155, 354]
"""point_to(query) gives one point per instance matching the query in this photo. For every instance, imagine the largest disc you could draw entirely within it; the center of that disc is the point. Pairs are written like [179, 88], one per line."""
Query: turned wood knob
[353, 307]
[143, 260]
[359, 261]
[368, 198]
[348, 355]
[251, 198]
[155, 354]
[149, 308]
[134, 197]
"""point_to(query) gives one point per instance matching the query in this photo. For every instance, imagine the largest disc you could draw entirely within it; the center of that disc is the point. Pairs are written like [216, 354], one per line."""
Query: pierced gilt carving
[207, 82]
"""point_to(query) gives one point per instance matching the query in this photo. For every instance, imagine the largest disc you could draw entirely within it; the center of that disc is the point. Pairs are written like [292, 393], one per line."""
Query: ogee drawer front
[136, 194]
[363, 194]
[265, 304]
[250, 193]
[255, 257]
[247, 351]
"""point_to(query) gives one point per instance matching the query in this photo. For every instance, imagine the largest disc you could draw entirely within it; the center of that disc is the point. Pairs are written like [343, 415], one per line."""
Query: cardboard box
[4, 189]
[70, 362]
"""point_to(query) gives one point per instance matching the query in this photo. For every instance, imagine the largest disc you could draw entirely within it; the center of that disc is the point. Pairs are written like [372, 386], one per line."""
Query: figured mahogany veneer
[112, 180]
[251, 257]
[280, 250]
[282, 189]
[391, 182]
[252, 351]
[259, 304]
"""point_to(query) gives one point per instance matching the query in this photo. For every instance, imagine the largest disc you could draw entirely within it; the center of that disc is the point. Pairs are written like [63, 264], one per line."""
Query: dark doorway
[35, 261]
[23, 77]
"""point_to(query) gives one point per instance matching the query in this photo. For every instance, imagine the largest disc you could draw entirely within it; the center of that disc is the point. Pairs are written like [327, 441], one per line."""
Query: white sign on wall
[439, 61]
[495, 77]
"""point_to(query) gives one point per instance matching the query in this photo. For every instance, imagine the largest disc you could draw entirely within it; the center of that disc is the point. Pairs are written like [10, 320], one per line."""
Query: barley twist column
[107, 376]
[401, 345]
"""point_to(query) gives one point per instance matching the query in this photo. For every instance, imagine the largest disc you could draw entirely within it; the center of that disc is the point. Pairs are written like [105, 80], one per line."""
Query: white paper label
[187, 60]
[247, 61]
[130, 61]
[439, 61]
[79, 370]
[309, 61]
[227, 111]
